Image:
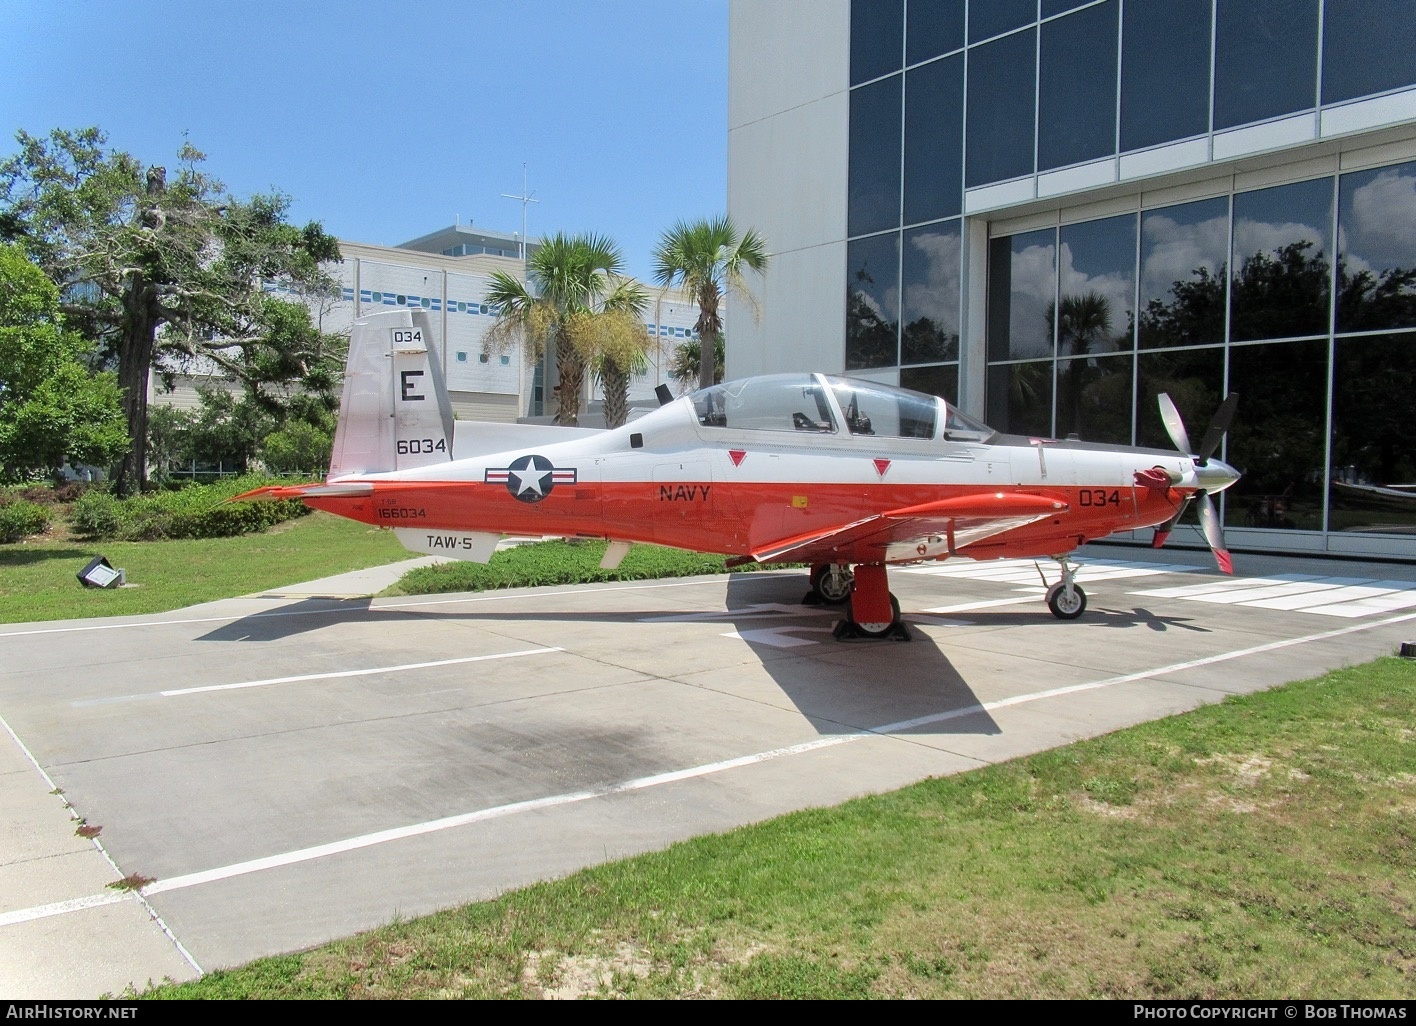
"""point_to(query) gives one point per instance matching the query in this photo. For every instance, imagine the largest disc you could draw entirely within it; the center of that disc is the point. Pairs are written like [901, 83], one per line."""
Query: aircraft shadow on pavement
[846, 686]
[301, 617]
[1095, 616]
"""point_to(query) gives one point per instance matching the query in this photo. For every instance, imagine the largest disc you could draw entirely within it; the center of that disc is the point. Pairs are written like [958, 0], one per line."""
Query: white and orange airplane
[848, 476]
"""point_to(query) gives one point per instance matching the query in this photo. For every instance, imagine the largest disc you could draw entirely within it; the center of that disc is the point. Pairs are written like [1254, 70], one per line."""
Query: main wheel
[832, 582]
[876, 630]
[1065, 608]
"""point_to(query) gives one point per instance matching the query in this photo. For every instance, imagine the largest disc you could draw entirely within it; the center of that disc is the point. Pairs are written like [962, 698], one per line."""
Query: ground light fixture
[99, 573]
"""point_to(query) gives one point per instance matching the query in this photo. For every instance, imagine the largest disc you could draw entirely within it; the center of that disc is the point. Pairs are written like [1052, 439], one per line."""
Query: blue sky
[385, 121]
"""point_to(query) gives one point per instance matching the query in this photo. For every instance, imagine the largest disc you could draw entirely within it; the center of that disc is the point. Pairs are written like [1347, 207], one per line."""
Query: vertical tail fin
[395, 414]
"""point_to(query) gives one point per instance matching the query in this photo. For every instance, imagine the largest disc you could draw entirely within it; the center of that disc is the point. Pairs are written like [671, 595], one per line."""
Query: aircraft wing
[962, 520]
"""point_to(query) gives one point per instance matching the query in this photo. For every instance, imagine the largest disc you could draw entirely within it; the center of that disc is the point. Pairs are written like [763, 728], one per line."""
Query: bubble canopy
[832, 405]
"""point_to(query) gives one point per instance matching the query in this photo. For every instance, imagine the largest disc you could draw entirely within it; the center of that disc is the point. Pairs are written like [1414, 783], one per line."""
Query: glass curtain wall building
[1052, 211]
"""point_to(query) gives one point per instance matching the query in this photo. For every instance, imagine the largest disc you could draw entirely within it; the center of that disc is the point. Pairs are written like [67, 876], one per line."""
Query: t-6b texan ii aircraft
[848, 476]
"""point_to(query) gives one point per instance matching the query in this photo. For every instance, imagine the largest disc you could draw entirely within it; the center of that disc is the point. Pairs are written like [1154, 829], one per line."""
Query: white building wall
[788, 124]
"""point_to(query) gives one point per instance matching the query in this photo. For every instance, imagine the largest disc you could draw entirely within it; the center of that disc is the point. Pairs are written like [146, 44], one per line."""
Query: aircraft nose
[1216, 476]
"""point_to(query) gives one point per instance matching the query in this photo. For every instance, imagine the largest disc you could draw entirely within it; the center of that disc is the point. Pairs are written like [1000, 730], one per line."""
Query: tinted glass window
[930, 332]
[872, 302]
[1051, 7]
[940, 381]
[1097, 281]
[1094, 398]
[934, 27]
[1021, 292]
[1377, 264]
[1279, 439]
[1194, 380]
[874, 200]
[990, 17]
[1000, 116]
[934, 140]
[1020, 398]
[1077, 88]
[1183, 270]
[1265, 60]
[1165, 59]
[1281, 276]
[1369, 46]
[877, 38]
[1373, 382]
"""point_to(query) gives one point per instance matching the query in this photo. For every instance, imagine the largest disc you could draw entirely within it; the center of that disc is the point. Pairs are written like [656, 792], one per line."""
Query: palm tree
[1083, 329]
[618, 343]
[707, 258]
[568, 280]
[684, 367]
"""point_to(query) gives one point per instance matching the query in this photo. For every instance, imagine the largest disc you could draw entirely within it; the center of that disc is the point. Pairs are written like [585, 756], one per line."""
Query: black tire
[875, 630]
[1061, 608]
[832, 585]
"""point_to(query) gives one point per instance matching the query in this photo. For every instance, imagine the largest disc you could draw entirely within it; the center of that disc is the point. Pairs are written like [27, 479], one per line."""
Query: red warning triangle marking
[737, 456]
[881, 466]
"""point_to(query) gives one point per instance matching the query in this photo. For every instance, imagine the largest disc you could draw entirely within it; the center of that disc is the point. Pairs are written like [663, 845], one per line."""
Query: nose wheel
[1066, 599]
[830, 585]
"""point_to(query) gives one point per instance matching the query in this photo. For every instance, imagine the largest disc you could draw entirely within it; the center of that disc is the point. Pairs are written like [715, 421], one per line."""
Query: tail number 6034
[417, 446]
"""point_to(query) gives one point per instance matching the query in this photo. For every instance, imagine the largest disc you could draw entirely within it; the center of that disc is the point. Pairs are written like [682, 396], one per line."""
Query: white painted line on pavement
[299, 678]
[641, 783]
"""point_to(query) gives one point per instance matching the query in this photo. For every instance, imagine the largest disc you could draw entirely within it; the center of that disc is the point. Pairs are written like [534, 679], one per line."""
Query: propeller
[1213, 476]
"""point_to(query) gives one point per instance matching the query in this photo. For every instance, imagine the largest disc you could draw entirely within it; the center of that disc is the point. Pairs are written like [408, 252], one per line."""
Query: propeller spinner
[1213, 475]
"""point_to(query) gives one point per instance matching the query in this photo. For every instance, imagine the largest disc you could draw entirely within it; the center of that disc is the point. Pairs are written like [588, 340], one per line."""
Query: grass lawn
[1260, 848]
[37, 579]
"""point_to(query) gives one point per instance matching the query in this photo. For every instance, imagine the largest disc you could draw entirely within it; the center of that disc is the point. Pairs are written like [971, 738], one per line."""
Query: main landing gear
[1066, 598]
[871, 611]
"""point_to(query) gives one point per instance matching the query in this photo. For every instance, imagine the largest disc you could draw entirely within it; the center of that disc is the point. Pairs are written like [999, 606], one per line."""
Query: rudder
[395, 414]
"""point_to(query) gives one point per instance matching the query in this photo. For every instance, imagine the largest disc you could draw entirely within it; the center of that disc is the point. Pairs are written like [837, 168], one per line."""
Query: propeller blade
[1174, 425]
[1214, 534]
[1218, 426]
[1162, 533]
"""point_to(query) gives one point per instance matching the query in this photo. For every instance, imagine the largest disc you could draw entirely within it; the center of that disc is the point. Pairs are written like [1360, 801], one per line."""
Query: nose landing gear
[830, 585]
[1066, 599]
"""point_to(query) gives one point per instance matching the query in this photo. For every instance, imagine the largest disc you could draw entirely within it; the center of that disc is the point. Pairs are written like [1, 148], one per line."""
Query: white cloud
[1033, 292]
[1252, 237]
[937, 297]
[1380, 229]
[1171, 251]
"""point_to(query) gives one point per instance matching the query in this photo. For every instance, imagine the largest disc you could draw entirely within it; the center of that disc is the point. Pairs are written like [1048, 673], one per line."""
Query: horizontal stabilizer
[305, 491]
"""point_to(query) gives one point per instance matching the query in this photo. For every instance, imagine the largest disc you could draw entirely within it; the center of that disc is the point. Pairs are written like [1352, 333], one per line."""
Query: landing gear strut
[1066, 599]
[872, 612]
[830, 585]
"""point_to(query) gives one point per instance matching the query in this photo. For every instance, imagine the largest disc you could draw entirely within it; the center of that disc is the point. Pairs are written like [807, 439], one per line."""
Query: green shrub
[198, 511]
[20, 518]
[96, 514]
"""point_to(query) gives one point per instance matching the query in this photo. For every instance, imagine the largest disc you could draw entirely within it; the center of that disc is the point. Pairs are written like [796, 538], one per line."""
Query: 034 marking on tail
[849, 476]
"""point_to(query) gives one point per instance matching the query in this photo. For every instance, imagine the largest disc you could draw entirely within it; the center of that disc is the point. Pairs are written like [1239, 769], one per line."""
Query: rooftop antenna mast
[525, 199]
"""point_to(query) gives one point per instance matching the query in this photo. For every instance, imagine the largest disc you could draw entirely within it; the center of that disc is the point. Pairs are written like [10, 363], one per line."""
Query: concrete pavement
[298, 765]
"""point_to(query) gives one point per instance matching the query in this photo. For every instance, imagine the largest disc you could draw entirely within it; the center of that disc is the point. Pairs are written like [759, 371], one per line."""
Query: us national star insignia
[530, 478]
